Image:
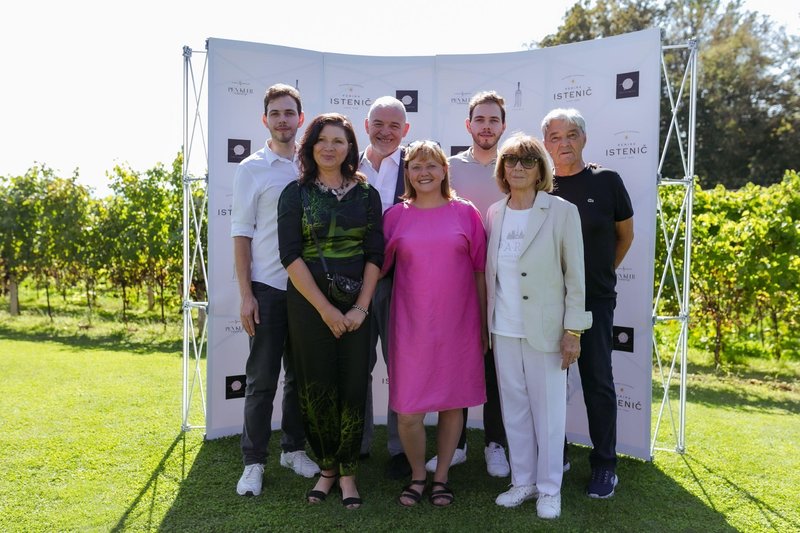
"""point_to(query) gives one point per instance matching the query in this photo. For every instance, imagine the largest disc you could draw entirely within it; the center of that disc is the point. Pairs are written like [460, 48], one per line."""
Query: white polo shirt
[257, 186]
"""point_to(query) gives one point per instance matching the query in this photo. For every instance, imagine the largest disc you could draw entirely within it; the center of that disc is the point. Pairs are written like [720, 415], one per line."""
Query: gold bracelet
[356, 306]
[574, 333]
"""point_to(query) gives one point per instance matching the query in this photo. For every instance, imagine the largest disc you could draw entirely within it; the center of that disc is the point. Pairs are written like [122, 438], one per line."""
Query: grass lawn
[90, 440]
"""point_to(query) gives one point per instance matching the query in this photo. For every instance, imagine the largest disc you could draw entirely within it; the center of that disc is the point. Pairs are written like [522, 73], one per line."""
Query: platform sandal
[318, 495]
[443, 494]
[410, 494]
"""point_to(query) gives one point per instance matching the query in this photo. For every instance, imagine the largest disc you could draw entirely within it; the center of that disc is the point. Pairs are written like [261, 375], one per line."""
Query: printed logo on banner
[625, 274]
[350, 96]
[518, 97]
[460, 98]
[226, 211]
[626, 145]
[239, 88]
[628, 85]
[623, 338]
[409, 98]
[238, 150]
[234, 326]
[234, 386]
[573, 88]
[458, 149]
[627, 399]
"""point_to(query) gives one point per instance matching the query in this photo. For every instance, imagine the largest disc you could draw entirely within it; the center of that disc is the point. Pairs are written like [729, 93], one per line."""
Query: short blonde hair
[524, 145]
[429, 150]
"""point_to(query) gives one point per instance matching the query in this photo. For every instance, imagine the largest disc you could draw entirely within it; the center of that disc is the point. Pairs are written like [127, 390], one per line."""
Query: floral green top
[349, 231]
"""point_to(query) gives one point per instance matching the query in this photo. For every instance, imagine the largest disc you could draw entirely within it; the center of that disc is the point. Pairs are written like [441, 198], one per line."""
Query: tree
[748, 117]
[20, 213]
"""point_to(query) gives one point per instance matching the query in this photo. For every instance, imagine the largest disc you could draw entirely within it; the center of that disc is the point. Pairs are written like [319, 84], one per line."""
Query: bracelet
[574, 333]
[356, 306]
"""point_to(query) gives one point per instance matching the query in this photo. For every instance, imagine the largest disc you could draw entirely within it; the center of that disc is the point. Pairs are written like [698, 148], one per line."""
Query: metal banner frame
[675, 230]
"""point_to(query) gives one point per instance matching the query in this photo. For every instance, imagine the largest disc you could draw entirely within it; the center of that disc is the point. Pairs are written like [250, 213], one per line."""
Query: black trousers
[493, 429]
[331, 377]
[597, 381]
[263, 370]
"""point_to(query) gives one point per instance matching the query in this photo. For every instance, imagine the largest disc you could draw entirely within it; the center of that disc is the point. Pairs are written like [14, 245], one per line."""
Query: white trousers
[533, 398]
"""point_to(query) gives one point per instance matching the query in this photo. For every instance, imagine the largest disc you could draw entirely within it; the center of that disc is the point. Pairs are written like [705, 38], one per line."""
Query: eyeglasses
[528, 161]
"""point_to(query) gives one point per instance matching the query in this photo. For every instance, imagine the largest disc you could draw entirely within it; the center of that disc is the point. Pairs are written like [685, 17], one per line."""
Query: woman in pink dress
[436, 248]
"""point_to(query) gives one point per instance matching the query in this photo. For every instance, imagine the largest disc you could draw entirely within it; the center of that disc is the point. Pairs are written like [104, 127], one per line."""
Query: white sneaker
[496, 462]
[459, 457]
[516, 495]
[300, 463]
[548, 507]
[250, 482]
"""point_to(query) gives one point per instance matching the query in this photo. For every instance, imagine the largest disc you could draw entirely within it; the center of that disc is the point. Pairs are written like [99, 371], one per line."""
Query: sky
[92, 84]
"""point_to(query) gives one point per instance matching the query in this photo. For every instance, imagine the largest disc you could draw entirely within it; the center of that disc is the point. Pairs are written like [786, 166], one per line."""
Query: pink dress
[435, 352]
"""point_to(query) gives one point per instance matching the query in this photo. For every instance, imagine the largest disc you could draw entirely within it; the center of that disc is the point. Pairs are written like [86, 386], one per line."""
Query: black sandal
[351, 501]
[318, 494]
[443, 493]
[411, 494]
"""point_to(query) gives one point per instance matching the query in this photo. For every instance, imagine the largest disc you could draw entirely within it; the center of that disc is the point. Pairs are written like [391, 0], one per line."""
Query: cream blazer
[550, 268]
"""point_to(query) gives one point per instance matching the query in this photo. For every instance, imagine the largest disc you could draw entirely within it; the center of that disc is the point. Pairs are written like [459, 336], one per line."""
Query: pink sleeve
[390, 218]
[477, 237]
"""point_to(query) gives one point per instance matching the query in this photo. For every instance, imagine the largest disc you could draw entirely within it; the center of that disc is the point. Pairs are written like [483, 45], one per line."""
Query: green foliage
[745, 269]
[748, 114]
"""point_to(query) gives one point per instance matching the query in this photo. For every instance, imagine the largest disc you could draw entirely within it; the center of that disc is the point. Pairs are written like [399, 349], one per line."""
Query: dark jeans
[381, 302]
[597, 381]
[331, 378]
[493, 429]
[263, 370]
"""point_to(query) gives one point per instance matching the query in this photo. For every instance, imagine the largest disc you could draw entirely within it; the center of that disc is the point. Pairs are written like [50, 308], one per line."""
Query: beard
[486, 143]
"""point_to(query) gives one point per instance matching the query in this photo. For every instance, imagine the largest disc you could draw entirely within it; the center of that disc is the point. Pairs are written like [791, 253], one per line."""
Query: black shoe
[398, 467]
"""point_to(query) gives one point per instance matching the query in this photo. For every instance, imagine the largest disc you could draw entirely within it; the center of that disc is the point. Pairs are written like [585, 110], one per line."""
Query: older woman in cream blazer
[536, 312]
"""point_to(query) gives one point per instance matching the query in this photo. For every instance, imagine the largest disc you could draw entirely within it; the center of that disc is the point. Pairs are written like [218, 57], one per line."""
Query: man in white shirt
[257, 185]
[472, 177]
[382, 163]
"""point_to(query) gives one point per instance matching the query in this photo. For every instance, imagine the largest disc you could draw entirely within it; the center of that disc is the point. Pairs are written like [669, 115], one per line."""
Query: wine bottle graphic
[518, 96]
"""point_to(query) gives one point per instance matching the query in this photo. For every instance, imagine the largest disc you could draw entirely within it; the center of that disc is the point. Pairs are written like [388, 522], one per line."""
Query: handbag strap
[304, 200]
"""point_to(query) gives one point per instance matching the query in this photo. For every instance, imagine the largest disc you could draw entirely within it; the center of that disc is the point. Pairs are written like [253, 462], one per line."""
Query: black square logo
[454, 150]
[628, 85]
[623, 339]
[238, 150]
[234, 386]
[409, 99]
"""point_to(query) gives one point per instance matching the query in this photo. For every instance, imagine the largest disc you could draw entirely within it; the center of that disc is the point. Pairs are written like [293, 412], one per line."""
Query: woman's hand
[570, 349]
[356, 317]
[338, 323]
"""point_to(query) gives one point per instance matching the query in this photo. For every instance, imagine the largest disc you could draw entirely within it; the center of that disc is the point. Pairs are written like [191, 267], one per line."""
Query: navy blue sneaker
[602, 483]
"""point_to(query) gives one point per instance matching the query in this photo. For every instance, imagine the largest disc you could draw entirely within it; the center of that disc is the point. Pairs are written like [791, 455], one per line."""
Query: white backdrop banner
[614, 82]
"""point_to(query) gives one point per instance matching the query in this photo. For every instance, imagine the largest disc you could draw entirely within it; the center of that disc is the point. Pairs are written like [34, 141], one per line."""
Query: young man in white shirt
[257, 185]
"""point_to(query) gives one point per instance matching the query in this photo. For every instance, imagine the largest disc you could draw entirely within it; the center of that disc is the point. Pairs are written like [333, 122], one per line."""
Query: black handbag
[342, 290]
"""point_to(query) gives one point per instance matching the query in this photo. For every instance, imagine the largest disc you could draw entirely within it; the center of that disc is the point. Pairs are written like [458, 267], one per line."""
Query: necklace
[338, 192]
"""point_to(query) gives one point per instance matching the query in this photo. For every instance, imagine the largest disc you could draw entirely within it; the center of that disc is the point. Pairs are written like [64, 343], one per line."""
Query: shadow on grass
[732, 394]
[116, 341]
[647, 499]
[776, 518]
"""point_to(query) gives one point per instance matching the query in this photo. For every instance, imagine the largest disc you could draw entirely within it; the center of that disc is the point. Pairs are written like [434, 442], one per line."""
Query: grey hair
[571, 115]
[390, 102]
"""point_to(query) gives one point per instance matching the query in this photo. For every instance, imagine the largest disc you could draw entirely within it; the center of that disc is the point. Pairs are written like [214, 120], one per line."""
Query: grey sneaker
[300, 463]
[459, 457]
[496, 462]
[250, 482]
[602, 483]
